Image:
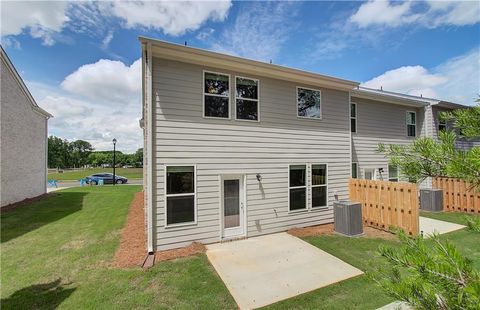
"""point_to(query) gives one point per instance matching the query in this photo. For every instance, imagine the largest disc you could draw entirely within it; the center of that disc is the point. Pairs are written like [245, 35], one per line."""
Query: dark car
[106, 177]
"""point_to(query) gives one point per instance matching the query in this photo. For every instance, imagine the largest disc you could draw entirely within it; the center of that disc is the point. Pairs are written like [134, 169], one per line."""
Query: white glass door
[233, 210]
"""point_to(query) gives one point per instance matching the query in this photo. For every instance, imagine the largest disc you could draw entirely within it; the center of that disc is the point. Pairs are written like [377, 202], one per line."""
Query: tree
[429, 274]
[428, 157]
[467, 121]
[80, 150]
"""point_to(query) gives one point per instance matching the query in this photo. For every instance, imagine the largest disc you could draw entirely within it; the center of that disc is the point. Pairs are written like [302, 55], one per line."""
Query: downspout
[150, 129]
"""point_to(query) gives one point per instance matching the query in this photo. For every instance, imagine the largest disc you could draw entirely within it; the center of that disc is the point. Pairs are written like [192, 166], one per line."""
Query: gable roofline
[388, 97]
[430, 101]
[35, 107]
[177, 52]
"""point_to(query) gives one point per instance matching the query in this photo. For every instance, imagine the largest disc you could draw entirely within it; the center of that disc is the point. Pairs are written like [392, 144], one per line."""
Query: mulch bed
[327, 229]
[190, 250]
[132, 249]
[24, 202]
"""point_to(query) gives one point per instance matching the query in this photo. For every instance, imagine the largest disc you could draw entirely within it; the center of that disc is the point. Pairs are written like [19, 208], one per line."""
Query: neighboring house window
[442, 123]
[354, 170]
[246, 98]
[392, 173]
[216, 95]
[319, 186]
[411, 124]
[297, 187]
[180, 195]
[353, 117]
[308, 103]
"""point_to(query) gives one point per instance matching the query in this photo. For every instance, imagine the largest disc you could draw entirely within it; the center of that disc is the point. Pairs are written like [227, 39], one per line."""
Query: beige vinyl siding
[227, 146]
[379, 122]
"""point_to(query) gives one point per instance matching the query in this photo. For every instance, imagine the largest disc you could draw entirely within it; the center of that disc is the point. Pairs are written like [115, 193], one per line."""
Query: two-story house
[237, 148]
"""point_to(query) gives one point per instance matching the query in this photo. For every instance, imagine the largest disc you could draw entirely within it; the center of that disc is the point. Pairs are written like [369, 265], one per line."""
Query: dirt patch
[24, 202]
[132, 249]
[190, 250]
[327, 229]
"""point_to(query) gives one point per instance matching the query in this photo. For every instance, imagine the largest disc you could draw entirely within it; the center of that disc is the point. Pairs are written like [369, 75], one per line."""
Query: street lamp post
[114, 142]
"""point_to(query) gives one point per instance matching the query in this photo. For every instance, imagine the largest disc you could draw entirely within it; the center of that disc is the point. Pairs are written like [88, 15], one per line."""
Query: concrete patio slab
[429, 226]
[263, 270]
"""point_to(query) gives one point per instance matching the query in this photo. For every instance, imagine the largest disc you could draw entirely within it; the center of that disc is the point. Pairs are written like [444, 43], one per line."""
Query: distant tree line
[79, 153]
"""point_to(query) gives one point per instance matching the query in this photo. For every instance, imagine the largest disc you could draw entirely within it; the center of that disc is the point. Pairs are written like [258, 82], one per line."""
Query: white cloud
[45, 19]
[433, 14]
[106, 41]
[383, 13]
[205, 34]
[457, 79]
[259, 31]
[106, 80]
[11, 42]
[172, 17]
[96, 102]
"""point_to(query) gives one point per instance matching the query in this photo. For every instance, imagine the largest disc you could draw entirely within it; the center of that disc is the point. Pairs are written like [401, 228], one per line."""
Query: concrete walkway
[263, 270]
[429, 226]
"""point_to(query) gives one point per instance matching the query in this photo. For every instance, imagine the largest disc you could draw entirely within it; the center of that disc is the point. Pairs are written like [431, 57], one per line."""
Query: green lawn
[56, 253]
[129, 173]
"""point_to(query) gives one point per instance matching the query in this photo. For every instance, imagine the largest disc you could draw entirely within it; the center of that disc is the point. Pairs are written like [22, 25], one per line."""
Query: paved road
[67, 184]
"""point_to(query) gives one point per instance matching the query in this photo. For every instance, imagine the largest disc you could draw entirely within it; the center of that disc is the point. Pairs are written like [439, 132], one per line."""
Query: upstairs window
[411, 124]
[246, 99]
[216, 95]
[298, 187]
[180, 195]
[319, 186]
[392, 173]
[308, 103]
[353, 117]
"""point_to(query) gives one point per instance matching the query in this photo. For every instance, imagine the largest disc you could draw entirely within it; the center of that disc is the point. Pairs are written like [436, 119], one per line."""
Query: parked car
[106, 177]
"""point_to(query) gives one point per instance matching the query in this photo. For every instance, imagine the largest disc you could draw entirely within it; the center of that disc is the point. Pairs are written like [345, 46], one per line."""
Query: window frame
[312, 208]
[407, 124]
[180, 195]
[440, 123]
[214, 95]
[388, 174]
[356, 169]
[257, 100]
[355, 117]
[296, 187]
[296, 100]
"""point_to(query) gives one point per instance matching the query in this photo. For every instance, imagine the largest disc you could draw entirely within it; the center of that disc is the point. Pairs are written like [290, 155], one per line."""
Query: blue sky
[80, 60]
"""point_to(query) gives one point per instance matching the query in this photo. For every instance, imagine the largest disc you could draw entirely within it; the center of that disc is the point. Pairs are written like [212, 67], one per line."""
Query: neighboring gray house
[23, 138]
[237, 148]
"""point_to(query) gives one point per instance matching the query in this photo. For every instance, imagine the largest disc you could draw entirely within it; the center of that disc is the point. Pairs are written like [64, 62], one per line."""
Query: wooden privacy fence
[458, 195]
[387, 204]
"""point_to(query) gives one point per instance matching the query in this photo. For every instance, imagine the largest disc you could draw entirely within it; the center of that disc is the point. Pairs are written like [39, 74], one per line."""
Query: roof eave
[182, 53]
[388, 98]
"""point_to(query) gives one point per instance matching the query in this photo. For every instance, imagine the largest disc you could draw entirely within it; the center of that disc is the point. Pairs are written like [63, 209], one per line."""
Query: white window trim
[388, 174]
[407, 124]
[257, 100]
[178, 195]
[356, 168]
[295, 187]
[296, 101]
[355, 118]
[374, 173]
[215, 95]
[322, 185]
